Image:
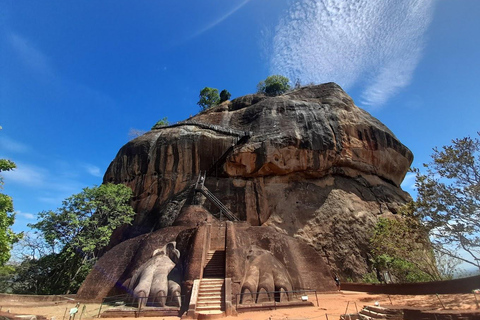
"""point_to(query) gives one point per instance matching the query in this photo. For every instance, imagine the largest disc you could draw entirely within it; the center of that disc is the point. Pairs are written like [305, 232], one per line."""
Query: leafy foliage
[75, 233]
[86, 220]
[6, 165]
[208, 98]
[161, 123]
[7, 217]
[274, 85]
[401, 248]
[448, 199]
[224, 95]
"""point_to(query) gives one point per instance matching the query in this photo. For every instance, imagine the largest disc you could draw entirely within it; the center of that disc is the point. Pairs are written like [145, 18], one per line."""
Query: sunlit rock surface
[308, 164]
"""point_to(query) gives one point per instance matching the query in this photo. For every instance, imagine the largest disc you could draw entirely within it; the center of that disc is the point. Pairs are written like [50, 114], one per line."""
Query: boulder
[308, 165]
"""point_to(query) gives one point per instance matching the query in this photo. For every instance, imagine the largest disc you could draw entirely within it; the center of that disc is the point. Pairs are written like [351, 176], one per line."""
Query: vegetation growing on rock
[274, 85]
[161, 123]
[224, 95]
[209, 97]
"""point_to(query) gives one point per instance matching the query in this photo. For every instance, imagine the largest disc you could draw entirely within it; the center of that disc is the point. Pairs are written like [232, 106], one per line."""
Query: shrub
[274, 85]
[224, 95]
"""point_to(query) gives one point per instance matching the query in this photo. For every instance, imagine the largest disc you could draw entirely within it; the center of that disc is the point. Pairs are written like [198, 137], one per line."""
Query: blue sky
[77, 76]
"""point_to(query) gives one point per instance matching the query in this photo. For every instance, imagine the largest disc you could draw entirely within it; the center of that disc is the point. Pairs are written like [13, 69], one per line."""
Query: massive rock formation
[309, 165]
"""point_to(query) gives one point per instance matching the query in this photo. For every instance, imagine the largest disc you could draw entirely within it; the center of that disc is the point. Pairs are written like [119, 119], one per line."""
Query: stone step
[211, 283]
[209, 306]
[210, 289]
[383, 310]
[219, 270]
[208, 302]
[364, 317]
[372, 314]
[205, 282]
[209, 296]
[211, 312]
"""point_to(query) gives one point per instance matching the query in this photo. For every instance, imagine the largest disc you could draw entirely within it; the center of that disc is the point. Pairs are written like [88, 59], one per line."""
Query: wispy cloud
[7, 144]
[40, 65]
[219, 20]
[25, 215]
[375, 44]
[93, 170]
[62, 181]
[30, 55]
[26, 175]
[409, 181]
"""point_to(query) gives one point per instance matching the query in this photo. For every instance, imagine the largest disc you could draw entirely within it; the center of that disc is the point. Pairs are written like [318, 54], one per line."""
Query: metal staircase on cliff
[214, 168]
[200, 187]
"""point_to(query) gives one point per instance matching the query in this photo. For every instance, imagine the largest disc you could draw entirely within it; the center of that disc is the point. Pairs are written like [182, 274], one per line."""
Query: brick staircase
[374, 312]
[215, 264]
[209, 301]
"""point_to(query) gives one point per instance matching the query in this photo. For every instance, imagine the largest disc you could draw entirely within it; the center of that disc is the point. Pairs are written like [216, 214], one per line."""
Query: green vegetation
[7, 217]
[161, 123]
[224, 95]
[67, 241]
[208, 98]
[401, 249]
[448, 201]
[447, 211]
[274, 85]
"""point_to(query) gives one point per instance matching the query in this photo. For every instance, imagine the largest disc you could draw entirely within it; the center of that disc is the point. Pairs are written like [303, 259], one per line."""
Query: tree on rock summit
[225, 95]
[208, 98]
[274, 85]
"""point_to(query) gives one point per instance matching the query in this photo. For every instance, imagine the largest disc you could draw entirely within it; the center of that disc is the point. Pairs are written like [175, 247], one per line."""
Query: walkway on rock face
[199, 186]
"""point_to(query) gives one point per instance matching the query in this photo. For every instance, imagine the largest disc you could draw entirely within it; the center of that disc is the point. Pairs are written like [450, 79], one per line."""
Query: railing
[226, 212]
[273, 296]
[213, 127]
[199, 186]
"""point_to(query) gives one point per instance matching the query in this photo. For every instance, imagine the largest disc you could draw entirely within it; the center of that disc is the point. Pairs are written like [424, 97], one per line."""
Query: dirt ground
[331, 306]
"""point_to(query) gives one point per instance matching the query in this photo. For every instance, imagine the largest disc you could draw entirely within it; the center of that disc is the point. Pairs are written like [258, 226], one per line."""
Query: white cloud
[28, 175]
[377, 42]
[409, 181]
[30, 55]
[93, 170]
[11, 145]
[219, 20]
[26, 215]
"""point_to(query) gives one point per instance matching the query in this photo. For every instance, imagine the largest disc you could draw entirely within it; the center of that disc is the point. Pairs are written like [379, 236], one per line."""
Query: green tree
[274, 85]
[7, 217]
[224, 95]
[448, 200]
[161, 123]
[208, 98]
[400, 247]
[76, 232]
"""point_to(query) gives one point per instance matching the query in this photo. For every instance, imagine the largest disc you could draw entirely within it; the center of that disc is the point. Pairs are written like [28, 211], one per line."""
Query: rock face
[308, 164]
